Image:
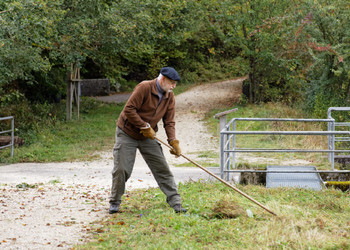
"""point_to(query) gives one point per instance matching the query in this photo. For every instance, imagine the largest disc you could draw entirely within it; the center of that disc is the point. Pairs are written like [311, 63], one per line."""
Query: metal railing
[228, 147]
[12, 131]
[332, 127]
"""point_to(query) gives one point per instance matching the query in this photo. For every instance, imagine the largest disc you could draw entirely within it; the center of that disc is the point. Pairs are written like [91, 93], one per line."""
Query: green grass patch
[219, 218]
[208, 154]
[202, 163]
[78, 139]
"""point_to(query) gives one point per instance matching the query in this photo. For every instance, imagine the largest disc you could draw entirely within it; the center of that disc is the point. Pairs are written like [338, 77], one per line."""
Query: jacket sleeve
[133, 105]
[169, 120]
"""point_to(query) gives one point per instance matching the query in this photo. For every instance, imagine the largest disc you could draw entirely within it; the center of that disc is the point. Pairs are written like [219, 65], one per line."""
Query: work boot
[179, 208]
[114, 208]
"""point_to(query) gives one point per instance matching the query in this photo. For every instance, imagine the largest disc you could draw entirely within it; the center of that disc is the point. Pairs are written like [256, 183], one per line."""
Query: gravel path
[62, 201]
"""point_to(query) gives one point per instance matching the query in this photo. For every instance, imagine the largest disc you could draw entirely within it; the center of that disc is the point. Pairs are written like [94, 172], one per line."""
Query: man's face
[168, 85]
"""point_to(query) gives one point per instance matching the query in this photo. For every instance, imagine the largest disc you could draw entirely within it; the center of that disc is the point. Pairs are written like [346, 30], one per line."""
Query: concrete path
[89, 173]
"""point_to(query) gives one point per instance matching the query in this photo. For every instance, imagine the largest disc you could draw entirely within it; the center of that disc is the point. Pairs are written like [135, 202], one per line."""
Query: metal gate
[229, 149]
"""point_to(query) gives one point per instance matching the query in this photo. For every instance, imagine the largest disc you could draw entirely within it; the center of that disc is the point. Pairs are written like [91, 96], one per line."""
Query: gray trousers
[124, 153]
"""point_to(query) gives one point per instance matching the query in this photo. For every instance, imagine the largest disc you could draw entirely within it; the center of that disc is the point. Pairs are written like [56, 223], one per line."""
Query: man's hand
[176, 150]
[148, 132]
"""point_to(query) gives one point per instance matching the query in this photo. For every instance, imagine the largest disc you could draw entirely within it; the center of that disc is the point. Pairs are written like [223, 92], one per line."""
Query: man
[150, 102]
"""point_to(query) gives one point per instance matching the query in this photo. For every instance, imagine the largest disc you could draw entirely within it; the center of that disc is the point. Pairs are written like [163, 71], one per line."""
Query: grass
[205, 164]
[219, 218]
[78, 139]
[206, 159]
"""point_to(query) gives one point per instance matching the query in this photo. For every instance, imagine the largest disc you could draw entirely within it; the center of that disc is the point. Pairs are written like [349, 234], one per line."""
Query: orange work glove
[148, 132]
[176, 150]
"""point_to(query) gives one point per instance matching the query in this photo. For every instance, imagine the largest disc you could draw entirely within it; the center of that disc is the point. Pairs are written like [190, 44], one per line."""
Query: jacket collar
[155, 91]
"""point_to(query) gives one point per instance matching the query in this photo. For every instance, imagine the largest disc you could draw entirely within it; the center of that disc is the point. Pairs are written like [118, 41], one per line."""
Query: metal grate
[300, 180]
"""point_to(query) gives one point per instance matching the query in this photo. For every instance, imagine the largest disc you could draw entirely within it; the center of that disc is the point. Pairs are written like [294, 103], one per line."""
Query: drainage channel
[304, 177]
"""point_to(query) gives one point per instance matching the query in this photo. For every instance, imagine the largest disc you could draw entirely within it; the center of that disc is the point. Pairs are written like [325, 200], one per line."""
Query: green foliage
[264, 34]
[29, 117]
[328, 44]
[28, 28]
[292, 51]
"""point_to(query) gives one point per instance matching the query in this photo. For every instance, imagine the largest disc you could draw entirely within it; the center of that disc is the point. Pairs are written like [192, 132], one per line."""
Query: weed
[25, 186]
[55, 181]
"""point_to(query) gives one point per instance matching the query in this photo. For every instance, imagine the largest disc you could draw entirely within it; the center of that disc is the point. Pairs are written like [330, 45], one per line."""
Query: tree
[327, 38]
[264, 32]
[28, 29]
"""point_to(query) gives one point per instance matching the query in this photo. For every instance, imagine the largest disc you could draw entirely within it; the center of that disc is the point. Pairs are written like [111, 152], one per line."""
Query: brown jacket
[142, 108]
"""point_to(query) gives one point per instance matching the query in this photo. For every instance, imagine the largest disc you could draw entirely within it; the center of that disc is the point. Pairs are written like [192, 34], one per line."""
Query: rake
[223, 181]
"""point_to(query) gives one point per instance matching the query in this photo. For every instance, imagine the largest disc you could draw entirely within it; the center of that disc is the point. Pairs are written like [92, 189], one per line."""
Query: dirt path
[62, 201]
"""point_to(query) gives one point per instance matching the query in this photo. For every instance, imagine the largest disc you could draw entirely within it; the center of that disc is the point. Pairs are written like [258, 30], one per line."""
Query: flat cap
[170, 73]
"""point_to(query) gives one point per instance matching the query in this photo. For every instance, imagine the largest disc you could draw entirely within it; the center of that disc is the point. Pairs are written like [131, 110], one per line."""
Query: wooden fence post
[73, 95]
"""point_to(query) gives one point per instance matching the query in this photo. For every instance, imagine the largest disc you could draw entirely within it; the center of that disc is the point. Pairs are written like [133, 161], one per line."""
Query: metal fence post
[12, 135]
[333, 145]
[12, 131]
[234, 145]
[222, 116]
[222, 155]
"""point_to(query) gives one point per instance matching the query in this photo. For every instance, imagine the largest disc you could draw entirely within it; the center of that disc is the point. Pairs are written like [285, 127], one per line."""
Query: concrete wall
[94, 87]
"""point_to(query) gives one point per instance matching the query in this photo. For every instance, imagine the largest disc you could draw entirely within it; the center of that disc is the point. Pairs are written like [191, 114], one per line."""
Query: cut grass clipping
[228, 207]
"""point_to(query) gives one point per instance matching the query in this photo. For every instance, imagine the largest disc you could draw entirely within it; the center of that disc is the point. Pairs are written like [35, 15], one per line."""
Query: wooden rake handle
[218, 178]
